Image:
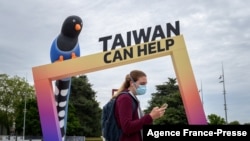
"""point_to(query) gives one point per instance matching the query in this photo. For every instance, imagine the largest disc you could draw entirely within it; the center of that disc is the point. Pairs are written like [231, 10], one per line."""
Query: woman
[131, 122]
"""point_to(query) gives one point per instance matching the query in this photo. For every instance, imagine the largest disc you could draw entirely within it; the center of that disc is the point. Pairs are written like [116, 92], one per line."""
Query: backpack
[110, 129]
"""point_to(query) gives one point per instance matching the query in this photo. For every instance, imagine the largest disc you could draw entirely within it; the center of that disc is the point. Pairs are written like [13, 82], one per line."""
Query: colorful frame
[45, 74]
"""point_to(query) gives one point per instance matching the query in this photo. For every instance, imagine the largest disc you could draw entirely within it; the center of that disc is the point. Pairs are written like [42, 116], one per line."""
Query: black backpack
[110, 129]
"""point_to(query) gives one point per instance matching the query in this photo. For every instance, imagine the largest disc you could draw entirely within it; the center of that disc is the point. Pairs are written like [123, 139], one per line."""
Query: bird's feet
[73, 55]
[60, 59]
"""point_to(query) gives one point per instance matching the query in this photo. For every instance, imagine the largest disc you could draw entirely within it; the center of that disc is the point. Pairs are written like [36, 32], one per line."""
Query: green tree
[32, 120]
[214, 119]
[84, 118]
[13, 90]
[168, 93]
[2, 121]
[234, 123]
[73, 124]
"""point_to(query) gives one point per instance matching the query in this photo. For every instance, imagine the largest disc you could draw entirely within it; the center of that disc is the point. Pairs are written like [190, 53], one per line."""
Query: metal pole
[24, 115]
[224, 93]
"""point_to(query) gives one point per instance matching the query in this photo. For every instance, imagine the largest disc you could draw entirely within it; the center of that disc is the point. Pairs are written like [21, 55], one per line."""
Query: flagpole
[224, 93]
[24, 111]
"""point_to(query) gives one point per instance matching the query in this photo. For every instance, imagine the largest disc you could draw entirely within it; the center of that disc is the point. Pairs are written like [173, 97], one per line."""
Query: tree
[214, 119]
[32, 122]
[84, 112]
[13, 90]
[168, 93]
[73, 124]
[234, 123]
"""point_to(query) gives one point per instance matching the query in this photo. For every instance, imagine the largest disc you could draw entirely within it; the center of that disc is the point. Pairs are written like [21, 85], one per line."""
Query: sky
[216, 34]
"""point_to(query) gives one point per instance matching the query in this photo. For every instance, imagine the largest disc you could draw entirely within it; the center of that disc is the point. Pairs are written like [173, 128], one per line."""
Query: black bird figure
[65, 46]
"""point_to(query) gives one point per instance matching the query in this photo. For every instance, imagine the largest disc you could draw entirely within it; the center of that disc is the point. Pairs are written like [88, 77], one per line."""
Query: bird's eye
[74, 20]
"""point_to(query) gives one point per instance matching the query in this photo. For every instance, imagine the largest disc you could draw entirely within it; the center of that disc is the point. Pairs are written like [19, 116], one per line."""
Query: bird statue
[65, 46]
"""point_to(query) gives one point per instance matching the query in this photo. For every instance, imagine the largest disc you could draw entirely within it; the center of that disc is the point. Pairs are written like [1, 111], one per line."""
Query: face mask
[141, 90]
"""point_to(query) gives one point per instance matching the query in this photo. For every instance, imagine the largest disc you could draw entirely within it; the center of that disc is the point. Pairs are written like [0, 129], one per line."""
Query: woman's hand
[157, 112]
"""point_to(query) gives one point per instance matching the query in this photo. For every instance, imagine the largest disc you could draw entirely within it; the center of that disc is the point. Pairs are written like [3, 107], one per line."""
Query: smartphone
[165, 105]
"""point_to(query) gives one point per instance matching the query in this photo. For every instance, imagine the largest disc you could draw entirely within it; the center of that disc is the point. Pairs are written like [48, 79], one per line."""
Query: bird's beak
[77, 27]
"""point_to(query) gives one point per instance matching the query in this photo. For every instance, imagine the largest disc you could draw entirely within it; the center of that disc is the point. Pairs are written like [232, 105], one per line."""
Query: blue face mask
[141, 90]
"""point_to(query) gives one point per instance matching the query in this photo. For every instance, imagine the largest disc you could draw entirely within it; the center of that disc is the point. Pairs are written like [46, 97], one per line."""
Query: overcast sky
[215, 32]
